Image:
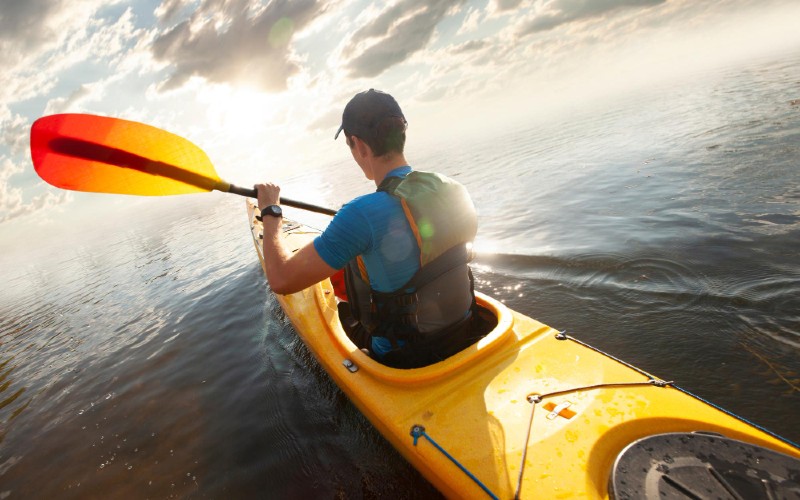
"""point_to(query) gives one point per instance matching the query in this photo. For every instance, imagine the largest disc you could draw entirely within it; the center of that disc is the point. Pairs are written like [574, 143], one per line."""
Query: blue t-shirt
[375, 227]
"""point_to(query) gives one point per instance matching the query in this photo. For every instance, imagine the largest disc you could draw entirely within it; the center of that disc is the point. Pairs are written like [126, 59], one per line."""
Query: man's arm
[287, 273]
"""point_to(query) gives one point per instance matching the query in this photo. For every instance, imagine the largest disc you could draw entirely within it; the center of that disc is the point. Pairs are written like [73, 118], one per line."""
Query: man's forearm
[275, 254]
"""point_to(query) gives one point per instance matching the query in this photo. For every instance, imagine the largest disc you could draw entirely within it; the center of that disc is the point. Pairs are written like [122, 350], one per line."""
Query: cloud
[24, 25]
[235, 41]
[10, 198]
[169, 10]
[31, 27]
[505, 5]
[63, 104]
[433, 94]
[11, 202]
[328, 121]
[81, 41]
[471, 22]
[558, 12]
[14, 133]
[394, 35]
[469, 47]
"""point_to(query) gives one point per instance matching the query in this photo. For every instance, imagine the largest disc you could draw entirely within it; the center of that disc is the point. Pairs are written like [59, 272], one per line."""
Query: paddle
[99, 154]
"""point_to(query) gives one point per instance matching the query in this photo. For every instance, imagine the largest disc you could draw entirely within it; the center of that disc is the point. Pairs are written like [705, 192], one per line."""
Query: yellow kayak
[528, 412]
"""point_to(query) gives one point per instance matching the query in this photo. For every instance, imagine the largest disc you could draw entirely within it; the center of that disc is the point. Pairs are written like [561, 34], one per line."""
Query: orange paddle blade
[108, 155]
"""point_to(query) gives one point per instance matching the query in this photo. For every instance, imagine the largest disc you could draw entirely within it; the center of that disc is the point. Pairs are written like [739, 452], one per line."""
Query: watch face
[273, 210]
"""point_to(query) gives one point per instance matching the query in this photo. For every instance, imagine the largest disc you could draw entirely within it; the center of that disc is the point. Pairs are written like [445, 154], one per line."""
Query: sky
[260, 84]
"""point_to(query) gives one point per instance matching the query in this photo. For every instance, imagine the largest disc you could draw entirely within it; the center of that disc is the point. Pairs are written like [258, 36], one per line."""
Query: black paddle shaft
[251, 193]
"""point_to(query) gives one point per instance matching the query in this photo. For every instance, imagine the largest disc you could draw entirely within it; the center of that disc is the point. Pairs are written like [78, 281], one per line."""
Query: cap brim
[338, 132]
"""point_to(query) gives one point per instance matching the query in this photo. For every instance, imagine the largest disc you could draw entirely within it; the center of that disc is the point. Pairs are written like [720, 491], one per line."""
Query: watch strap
[270, 210]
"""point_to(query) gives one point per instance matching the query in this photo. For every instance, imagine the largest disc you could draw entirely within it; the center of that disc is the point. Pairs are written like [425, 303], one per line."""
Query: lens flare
[281, 32]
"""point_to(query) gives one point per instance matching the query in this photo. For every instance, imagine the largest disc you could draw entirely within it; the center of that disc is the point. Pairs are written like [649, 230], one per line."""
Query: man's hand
[268, 194]
[287, 273]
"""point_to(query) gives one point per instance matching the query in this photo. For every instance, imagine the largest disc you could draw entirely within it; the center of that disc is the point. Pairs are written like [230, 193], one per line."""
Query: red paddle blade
[108, 155]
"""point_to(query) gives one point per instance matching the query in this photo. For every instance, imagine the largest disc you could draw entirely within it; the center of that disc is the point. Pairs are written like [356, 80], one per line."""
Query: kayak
[529, 411]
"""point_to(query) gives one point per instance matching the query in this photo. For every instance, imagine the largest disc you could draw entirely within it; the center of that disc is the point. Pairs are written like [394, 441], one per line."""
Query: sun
[242, 112]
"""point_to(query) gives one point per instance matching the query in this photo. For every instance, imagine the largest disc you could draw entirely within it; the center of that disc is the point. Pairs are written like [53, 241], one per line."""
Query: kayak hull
[525, 411]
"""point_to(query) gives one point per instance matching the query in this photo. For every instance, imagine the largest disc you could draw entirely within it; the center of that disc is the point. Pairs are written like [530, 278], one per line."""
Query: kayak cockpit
[499, 335]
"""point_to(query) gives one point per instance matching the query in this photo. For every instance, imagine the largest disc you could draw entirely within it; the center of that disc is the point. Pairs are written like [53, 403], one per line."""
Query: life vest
[441, 293]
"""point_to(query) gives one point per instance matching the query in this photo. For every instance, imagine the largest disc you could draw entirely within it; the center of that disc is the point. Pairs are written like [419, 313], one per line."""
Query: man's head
[375, 118]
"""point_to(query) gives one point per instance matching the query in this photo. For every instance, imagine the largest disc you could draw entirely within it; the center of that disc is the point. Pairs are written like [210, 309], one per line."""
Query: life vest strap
[389, 184]
[449, 260]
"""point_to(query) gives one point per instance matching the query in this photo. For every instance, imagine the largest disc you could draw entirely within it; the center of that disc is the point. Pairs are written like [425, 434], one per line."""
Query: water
[150, 360]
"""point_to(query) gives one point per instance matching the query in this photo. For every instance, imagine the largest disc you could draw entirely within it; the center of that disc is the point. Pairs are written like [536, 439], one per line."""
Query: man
[402, 248]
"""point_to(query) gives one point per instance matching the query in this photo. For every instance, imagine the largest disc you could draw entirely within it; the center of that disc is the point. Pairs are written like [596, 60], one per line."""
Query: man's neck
[382, 166]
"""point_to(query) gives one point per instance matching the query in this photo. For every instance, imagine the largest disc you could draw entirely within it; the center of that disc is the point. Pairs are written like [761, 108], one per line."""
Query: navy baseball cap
[366, 110]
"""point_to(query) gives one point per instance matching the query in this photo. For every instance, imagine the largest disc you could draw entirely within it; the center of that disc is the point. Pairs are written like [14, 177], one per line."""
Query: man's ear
[362, 147]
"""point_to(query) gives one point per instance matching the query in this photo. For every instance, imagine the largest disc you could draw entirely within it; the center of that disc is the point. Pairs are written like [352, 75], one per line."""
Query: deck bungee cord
[562, 335]
[418, 431]
[535, 399]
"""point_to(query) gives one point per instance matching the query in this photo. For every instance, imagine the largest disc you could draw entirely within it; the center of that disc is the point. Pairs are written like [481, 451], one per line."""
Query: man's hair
[390, 137]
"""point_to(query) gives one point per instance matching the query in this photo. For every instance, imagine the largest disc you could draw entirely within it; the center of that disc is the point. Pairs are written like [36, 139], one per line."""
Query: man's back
[374, 227]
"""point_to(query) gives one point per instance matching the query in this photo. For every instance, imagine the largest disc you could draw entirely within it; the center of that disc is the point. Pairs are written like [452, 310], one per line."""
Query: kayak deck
[525, 411]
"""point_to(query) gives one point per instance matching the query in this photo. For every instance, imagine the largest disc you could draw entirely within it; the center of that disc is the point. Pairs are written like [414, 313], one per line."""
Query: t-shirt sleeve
[346, 237]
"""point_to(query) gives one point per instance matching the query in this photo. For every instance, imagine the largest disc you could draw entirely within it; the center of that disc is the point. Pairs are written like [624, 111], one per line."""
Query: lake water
[149, 359]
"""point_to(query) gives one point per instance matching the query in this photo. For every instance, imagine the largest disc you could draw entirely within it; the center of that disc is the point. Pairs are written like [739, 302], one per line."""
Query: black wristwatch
[271, 210]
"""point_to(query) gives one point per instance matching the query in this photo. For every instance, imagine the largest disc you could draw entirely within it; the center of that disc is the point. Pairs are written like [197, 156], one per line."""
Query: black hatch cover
[702, 465]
